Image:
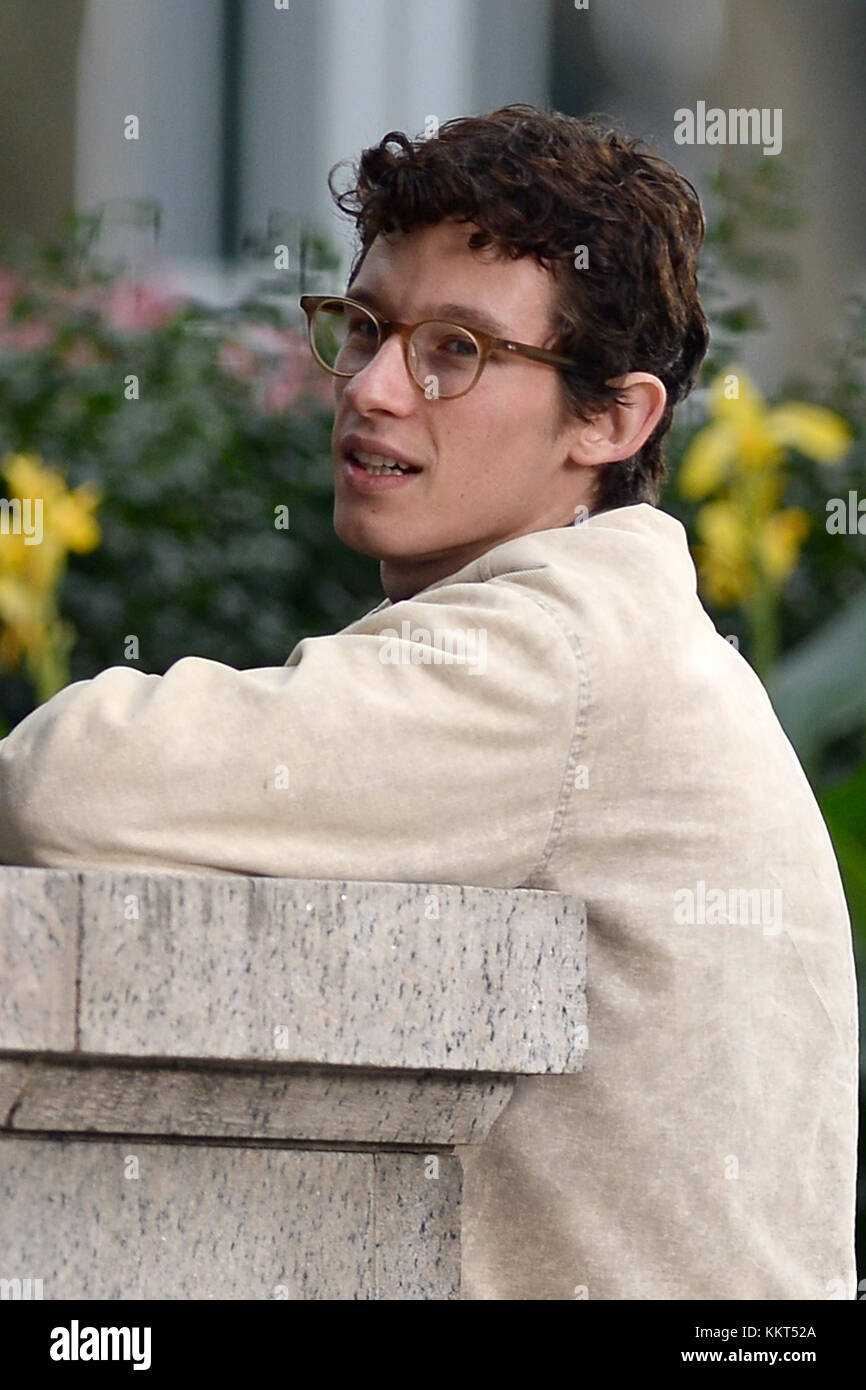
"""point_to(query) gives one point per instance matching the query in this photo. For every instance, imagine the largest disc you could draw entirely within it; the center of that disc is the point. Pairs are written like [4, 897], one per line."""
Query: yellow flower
[27, 476]
[63, 521]
[706, 462]
[14, 555]
[746, 435]
[52, 521]
[73, 521]
[779, 542]
[818, 433]
[25, 622]
[67, 516]
[723, 553]
[747, 547]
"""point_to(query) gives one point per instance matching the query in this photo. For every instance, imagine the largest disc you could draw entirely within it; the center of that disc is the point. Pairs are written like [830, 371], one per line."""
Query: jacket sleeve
[357, 759]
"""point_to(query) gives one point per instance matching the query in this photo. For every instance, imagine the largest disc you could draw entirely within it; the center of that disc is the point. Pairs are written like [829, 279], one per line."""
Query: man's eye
[457, 347]
[360, 327]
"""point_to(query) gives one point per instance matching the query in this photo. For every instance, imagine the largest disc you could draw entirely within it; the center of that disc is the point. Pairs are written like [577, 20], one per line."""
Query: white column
[326, 78]
[512, 52]
[162, 63]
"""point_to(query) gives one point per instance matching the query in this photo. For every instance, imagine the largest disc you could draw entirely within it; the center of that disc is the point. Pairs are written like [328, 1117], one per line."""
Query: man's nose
[385, 383]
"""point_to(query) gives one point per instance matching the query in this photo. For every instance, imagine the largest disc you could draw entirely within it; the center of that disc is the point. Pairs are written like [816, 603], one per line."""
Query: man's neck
[403, 579]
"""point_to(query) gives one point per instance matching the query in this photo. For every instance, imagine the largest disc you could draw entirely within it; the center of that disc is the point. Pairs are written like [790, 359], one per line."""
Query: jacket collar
[636, 516]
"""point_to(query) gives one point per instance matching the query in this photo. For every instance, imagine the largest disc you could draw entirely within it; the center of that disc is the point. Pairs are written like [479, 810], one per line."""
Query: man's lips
[363, 481]
[353, 444]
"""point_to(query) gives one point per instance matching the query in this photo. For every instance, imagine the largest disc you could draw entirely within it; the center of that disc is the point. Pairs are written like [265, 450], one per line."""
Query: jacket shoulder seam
[576, 743]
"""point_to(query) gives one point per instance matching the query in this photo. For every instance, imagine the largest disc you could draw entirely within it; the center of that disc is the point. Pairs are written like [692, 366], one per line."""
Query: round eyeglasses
[444, 359]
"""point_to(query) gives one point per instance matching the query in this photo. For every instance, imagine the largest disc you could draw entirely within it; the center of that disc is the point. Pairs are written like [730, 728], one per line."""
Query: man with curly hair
[520, 321]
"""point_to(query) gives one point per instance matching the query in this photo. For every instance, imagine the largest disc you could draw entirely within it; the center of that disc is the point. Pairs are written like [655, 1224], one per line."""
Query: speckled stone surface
[414, 976]
[201, 1222]
[262, 1103]
[417, 1225]
[169, 1041]
[13, 1075]
[38, 954]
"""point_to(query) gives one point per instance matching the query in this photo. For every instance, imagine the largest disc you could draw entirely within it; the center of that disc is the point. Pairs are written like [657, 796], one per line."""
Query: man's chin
[392, 543]
[367, 539]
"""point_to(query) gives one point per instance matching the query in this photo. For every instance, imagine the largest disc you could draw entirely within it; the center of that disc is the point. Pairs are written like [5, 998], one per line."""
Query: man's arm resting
[337, 765]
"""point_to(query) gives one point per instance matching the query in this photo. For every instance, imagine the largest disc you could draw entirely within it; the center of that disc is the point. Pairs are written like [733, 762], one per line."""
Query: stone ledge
[38, 959]
[104, 1220]
[319, 972]
[223, 1087]
[289, 1103]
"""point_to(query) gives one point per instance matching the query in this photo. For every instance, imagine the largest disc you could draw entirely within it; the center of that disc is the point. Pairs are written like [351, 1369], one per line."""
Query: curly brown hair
[537, 182]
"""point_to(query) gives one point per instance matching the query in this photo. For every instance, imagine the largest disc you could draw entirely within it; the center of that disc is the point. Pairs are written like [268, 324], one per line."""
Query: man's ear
[620, 430]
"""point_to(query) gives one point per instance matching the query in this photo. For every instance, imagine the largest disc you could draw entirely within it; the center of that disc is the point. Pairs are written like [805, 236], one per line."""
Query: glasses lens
[344, 336]
[444, 359]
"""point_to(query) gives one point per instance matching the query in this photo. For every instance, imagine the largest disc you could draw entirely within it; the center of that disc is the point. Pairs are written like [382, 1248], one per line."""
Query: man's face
[494, 463]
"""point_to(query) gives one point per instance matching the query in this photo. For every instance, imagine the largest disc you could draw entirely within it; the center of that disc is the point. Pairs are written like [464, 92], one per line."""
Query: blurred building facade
[244, 106]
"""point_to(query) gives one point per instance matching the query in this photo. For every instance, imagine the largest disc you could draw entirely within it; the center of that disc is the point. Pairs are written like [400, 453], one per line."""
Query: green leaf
[741, 318]
[819, 689]
[844, 810]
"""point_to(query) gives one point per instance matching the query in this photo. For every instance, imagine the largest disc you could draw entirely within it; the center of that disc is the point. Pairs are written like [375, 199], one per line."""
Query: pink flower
[263, 338]
[323, 389]
[317, 382]
[140, 308]
[237, 360]
[282, 391]
[78, 296]
[26, 337]
[78, 354]
[297, 376]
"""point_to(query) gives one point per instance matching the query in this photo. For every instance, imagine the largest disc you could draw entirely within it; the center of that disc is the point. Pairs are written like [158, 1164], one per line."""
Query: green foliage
[232, 423]
[819, 684]
[844, 808]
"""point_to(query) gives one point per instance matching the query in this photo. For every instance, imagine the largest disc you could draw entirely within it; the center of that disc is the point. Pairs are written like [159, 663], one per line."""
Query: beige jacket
[591, 734]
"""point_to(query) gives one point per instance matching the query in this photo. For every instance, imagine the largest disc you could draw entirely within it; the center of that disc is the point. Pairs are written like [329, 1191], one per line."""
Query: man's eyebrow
[464, 314]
